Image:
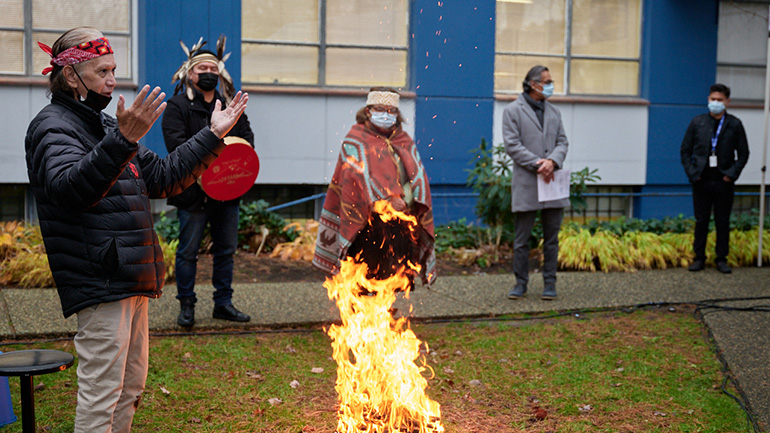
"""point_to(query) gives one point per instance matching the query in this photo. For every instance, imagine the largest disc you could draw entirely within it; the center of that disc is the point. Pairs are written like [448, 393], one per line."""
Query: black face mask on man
[95, 101]
[207, 81]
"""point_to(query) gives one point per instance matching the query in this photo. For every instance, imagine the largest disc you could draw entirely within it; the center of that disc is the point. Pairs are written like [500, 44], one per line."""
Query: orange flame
[380, 387]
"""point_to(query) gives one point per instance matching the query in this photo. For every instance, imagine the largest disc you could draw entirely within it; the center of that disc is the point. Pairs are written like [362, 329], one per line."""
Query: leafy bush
[491, 178]
[256, 227]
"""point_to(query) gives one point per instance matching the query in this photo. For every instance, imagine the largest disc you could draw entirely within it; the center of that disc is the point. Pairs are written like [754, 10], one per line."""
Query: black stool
[28, 363]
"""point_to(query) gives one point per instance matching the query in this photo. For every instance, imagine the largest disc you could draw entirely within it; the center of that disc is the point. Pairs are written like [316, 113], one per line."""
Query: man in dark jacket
[92, 182]
[714, 151]
[188, 113]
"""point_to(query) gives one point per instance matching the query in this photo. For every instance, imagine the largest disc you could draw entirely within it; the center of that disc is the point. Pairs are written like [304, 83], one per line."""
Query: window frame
[738, 65]
[30, 45]
[567, 57]
[322, 47]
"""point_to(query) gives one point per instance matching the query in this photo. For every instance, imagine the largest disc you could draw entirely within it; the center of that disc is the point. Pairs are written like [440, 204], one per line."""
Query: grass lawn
[646, 371]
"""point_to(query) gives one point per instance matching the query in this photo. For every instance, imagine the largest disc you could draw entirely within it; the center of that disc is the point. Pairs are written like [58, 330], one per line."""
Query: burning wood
[380, 387]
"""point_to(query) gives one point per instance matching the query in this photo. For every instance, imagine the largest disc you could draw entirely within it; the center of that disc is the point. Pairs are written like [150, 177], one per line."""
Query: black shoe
[518, 292]
[723, 268]
[697, 265]
[187, 313]
[549, 292]
[228, 312]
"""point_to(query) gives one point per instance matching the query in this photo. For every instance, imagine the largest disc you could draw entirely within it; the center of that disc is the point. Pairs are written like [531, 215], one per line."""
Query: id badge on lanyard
[713, 156]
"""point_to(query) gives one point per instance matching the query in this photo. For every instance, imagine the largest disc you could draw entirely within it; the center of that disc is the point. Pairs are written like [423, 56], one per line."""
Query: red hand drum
[233, 172]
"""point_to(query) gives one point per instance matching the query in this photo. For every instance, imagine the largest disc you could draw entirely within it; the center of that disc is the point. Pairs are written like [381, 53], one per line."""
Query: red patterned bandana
[80, 53]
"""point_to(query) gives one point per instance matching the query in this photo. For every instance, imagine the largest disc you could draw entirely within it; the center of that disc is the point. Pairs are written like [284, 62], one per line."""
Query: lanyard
[716, 137]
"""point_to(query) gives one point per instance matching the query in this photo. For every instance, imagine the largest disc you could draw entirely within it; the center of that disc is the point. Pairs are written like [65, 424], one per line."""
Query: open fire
[380, 387]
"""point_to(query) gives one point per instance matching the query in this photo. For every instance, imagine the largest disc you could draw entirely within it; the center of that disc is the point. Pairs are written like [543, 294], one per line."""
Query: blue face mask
[383, 119]
[716, 107]
[547, 90]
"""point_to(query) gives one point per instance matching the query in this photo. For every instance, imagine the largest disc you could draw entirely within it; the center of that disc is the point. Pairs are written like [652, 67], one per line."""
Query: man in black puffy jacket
[188, 113]
[92, 182]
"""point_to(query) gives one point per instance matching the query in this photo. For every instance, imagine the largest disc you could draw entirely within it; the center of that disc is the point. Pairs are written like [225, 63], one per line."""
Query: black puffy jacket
[92, 188]
[182, 119]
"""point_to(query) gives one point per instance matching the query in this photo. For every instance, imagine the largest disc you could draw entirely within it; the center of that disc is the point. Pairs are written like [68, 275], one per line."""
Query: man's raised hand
[222, 121]
[136, 120]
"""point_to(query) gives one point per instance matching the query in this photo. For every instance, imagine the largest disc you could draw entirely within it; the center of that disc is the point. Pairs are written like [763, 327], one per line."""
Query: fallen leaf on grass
[317, 370]
[255, 375]
[195, 420]
[538, 413]
[659, 413]
[294, 384]
[475, 382]
[274, 401]
[164, 390]
[448, 370]
[585, 409]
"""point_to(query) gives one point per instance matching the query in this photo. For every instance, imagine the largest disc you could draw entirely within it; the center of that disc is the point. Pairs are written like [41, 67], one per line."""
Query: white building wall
[753, 122]
[610, 138]
[298, 137]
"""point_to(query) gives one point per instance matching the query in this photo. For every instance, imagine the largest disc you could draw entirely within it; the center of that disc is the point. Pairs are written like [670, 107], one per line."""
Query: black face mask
[95, 101]
[207, 81]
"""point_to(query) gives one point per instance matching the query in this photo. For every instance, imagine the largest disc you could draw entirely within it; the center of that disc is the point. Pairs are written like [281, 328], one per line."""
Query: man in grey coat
[534, 138]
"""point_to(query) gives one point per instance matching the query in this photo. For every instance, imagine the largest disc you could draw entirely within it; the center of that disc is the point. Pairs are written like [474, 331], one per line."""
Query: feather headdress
[182, 77]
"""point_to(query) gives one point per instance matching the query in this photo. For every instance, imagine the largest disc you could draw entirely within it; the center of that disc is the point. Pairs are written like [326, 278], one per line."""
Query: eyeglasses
[544, 82]
[384, 109]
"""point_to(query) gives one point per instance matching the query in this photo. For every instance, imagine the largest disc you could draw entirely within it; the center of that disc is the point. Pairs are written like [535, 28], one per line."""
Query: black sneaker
[518, 292]
[549, 292]
[187, 312]
[697, 265]
[228, 312]
[723, 268]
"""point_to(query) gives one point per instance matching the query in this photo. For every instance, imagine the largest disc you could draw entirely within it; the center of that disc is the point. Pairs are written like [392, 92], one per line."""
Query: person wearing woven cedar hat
[92, 183]
[188, 112]
[378, 161]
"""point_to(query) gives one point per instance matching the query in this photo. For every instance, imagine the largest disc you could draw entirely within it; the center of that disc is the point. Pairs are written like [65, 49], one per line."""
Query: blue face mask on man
[716, 107]
[547, 90]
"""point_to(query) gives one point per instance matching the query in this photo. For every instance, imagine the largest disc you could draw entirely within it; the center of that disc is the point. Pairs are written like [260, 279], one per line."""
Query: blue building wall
[163, 24]
[452, 72]
[678, 62]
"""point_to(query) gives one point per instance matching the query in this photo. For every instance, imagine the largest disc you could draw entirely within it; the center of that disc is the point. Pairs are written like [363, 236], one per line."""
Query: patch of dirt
[250, 268]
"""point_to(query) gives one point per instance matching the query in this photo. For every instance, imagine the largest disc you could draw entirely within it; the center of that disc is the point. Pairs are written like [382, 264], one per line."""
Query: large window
[591, 47]
[25, 22]
[325, 42]
[742, 48]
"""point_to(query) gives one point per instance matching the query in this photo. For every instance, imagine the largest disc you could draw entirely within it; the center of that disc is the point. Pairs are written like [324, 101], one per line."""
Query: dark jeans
[551, 220]
[223, 226]
[717, 195]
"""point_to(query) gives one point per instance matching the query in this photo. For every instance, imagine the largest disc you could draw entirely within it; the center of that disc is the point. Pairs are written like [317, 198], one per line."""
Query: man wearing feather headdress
[188, 112]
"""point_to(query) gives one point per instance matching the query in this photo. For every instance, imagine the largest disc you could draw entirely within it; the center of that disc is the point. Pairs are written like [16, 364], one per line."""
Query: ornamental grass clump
[22, 256]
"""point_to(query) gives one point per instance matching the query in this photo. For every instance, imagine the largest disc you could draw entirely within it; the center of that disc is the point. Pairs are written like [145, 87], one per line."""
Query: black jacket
[732, 147]
[92, 188]
[183, 119]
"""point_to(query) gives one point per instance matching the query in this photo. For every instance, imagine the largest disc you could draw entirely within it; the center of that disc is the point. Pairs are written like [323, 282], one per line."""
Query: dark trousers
[551, 220]
[222, 218]
[717, 195]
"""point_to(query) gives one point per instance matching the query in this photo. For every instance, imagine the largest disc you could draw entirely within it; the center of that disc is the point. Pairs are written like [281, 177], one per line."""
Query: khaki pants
[112, 344]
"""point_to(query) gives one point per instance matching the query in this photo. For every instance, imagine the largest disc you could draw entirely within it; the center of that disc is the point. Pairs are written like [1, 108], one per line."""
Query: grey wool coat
[526, 142]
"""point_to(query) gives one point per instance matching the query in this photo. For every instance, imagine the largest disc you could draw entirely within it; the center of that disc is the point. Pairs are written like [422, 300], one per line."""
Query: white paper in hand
[556, 189]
